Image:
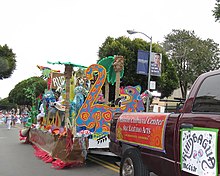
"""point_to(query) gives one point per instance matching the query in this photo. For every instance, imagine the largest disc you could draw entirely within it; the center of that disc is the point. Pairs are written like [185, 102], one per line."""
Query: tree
[216, 11]
[128, 48]
[191, 56]
[26, 91]
[6, 105]
[7, 62]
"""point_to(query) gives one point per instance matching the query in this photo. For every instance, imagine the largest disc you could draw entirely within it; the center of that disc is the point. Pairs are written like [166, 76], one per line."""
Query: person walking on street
[8, 120]
[13, 118]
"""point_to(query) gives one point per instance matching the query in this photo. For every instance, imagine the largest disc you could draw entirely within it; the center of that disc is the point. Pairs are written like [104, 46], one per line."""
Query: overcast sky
[73, 30]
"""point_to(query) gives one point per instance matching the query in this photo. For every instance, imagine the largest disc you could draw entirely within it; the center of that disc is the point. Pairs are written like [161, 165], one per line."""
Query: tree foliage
[6, 105]
[7, 62]
[191, 56]
[216, 11]
[26, 91]
[128, 48]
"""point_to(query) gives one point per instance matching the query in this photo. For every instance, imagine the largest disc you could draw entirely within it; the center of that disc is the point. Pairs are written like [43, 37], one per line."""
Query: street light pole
[149, 66]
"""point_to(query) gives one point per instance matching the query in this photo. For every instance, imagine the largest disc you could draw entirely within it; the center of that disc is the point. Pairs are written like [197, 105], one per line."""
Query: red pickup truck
[184, 143]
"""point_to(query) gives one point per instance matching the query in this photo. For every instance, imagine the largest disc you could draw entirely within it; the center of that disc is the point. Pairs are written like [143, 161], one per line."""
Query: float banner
[142, 62]
[198, 152]
[144, 129]
[58, 80]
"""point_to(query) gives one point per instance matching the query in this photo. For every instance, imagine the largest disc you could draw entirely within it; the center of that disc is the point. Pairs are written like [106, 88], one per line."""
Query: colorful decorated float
[77, 114]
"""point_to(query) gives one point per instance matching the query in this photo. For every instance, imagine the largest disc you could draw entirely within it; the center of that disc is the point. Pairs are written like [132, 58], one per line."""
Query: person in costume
[41, 115]
[58, 97]
[80, 94]
[8, 120]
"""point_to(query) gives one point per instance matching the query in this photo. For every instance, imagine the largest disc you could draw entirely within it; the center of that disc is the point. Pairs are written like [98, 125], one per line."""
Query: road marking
[104, 163]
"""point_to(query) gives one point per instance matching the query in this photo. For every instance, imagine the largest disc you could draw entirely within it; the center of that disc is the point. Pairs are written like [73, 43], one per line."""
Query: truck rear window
[208, 96]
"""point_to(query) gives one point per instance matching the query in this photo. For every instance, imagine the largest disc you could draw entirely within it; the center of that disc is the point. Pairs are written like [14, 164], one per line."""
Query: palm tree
[118, 66]
[114, 66]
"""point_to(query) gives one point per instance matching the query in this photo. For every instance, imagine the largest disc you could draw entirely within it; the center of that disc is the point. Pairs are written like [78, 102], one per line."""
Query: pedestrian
[13, 118]
[8, 120]
[25, 117]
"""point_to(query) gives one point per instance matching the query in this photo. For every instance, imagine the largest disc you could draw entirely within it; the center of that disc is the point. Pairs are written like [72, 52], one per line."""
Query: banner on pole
[156, 60]
[142, 62]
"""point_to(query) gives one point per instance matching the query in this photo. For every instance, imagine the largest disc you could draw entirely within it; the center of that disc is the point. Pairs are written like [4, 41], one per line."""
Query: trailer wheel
[132, 164]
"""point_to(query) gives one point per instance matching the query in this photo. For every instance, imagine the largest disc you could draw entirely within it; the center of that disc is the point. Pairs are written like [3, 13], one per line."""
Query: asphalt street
[18, 159]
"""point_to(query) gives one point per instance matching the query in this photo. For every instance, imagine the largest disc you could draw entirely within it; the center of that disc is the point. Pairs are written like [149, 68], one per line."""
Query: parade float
[78, 120]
